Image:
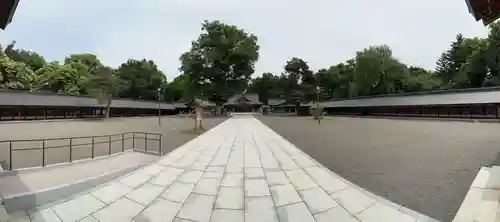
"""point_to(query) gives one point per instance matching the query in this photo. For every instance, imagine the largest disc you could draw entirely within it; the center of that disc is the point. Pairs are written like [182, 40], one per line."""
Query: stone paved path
[239, 171]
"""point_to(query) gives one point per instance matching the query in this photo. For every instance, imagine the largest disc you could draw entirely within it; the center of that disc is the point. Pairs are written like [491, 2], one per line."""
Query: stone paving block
[216, 169]
[146, 194]
[231, 198]
[256, 188]
[284, 195]
[252, 158]
[260, 209]
[223, 215]
[153, 169]
[303, 161]
[233, 180]
[487, 178]
[353, 200]
[181, 220]
[135, 180]
[335, 214]
[45, 215]
[380, 212]
[78, 208]
[19, 216]
[285, 161]
[253, 173]
[197, 208]
[221, 157]
[479, 205]
[201, 166]
[295, 213]
[165, 178]
[300, 179]
[216, 175]
[178, 192]
[276, 178]
[327, 181]
[173, 171]
[236, 162]
[120, 210]
[317, 200]
[167, 161]
[112, 192]
[161, 210]
[190, 176]
[207, 186]
[268, 161]
[89, 218]
[187, 160]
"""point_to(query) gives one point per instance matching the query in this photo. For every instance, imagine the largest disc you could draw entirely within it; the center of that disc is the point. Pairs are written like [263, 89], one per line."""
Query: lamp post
[317, 105]
[159, 109]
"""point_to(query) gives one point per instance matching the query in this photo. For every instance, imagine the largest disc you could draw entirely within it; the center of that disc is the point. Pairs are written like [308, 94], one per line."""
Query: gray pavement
[239, 171]
[426, 166]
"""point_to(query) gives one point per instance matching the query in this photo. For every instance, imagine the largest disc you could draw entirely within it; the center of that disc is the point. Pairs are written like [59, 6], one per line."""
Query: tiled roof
[449, 97]
[22, 98]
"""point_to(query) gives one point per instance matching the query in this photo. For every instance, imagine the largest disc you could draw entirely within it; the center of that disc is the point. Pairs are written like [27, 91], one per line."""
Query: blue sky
[323, 32]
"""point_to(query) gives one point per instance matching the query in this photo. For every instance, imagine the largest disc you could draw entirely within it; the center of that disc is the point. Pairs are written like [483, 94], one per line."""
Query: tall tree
[266, 86]
[302, 84]
[377, 72]
[32, 59]
[144, 79]
[451, 61]
[104, 85]
[220, 62]
[18, 76]
[176, 90]
[89, 60]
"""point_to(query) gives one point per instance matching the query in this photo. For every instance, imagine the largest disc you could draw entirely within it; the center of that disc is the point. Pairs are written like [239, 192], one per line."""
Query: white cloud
[323, 32]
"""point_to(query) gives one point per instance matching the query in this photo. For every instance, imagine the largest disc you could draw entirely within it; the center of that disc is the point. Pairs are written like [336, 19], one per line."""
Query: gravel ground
[172, 128]
[426, 166]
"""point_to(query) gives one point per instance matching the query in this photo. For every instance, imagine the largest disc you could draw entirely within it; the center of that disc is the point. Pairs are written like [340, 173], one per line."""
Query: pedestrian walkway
[239, 171]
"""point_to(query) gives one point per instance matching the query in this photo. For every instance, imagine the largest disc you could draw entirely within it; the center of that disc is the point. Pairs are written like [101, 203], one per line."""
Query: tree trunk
[108, 108]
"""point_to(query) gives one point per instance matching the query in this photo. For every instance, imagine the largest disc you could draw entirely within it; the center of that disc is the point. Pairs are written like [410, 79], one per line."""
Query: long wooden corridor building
[21, 105]
[467, 103]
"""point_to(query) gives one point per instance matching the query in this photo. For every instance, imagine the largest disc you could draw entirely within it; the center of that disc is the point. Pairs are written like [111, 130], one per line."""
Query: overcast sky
[322, 32]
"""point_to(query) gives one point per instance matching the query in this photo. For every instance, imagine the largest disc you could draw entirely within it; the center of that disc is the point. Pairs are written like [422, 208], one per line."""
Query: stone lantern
[198, 120]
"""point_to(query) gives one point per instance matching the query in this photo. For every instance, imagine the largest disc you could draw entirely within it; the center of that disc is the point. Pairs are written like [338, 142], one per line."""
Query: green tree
[143, 78]
[33, 60]
[302, 83]
[62, 78]
[89, 60]
[220, 62]
[421, 80]
[451, 61]
[104, 85]
[18, 76]
[266, 86]
[176, 90]
[493, 55]
[378, 72]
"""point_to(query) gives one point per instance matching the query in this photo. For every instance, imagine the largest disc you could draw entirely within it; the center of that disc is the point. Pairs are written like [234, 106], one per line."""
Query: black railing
[16, 154]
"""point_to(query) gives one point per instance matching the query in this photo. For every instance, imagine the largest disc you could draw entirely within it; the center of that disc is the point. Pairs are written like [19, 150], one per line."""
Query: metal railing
[17, 154]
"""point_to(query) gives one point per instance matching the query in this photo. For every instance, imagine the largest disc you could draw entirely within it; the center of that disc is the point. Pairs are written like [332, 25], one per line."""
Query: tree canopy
[221, 63]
